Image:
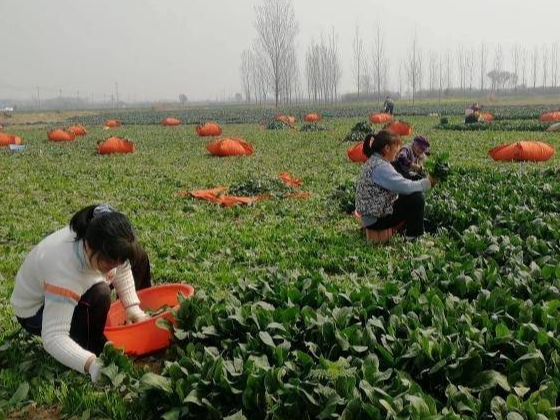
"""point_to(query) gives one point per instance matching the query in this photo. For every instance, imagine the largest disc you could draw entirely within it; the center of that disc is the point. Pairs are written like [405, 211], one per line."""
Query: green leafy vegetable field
[295, 315]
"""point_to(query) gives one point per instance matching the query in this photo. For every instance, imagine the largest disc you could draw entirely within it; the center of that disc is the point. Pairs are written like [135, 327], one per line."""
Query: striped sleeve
[57, 320]
[124, 285]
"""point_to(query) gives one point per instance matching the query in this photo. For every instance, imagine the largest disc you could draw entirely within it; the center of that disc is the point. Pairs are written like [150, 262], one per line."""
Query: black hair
[108, 233]
[374, 143]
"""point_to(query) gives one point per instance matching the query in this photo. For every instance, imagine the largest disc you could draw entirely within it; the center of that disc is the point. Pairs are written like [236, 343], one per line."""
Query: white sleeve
[57, 319]
[124, 285]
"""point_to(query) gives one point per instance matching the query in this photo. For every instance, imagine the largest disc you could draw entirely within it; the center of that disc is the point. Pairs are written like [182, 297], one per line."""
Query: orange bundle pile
[531, 151]
[208, 129]
[115, 145]
[381, 118]
[229, 146]
[59, 135]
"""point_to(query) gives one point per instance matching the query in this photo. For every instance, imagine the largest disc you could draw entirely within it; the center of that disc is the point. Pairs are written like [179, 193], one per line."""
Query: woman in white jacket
[62, 290]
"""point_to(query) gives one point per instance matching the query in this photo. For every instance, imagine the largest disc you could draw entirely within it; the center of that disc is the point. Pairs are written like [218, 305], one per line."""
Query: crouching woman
[384, 198]
[62, 290]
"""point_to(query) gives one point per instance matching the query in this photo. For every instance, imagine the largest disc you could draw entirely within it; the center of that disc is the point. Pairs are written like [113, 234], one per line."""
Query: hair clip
[102, 209]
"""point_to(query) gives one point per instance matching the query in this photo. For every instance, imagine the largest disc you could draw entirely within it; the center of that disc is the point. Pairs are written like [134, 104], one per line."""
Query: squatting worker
[411, 158]
[384, 198]
[62, 290]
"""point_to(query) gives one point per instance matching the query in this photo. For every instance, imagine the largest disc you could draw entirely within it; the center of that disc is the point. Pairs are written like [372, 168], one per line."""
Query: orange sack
[170, 122]
[400, 127]
[209, 129]
[532, 151]
[115, 145]
[229, 146]
[550, 116]
[356, 153]
[77, 130]
[60, 135]
[312, 118]
[112, 123]
[486, 117]
[289, 180]
[380, 118]
[7, 139]
[288, 119]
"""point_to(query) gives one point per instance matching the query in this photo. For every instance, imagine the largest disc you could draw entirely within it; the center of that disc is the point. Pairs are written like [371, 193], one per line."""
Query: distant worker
[388, 105]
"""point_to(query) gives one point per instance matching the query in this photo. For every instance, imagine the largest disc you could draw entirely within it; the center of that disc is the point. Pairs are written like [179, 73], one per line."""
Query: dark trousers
[90, 315]
[408, 209]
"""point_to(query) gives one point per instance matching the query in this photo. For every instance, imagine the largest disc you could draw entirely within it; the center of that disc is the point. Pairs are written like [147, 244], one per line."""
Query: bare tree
[470, 65]
[535, 65]
[323, 69]
[498, 63]
[414, 67]
[401, 78]
[358, 63]
[544, 67]
[516, 63]
[335, 65]
[461, 67]
[433, 71]
[246, 70]
[276, 31]
[441, 79]
[378, 61]
[482, 65]
[524, 67]
[554, 64]
[449, 70]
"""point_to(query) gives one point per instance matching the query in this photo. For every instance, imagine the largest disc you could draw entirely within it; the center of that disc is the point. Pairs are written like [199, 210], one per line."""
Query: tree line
[270, 71]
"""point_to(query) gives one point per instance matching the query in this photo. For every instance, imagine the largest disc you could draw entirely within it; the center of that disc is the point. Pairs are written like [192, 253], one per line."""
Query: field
[295, 315]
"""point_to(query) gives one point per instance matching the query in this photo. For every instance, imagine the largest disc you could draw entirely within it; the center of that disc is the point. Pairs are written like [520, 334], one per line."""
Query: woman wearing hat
[410, 159]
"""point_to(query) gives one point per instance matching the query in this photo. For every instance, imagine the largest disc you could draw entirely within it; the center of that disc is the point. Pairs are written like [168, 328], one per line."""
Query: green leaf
[151, 380]
[266, 339]
[489, 379]
[20, 394]
[237, 416]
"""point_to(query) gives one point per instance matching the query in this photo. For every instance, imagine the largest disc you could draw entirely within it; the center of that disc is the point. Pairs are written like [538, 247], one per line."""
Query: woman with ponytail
[384, 198]
[63, 288]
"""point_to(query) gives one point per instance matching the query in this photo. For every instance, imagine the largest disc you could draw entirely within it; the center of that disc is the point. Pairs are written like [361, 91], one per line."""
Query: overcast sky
[156, 49]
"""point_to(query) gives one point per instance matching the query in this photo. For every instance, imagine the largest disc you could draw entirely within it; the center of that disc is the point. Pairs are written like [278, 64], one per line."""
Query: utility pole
[117, 93]
[38, 98]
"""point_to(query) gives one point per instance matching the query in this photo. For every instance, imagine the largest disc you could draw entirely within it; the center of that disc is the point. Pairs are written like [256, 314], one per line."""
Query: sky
[157, 49]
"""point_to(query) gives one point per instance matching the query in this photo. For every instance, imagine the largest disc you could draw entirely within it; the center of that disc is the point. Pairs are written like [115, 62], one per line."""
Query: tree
[498, 63]
[357, 67]
[323, 69]
[461, 67]
[276, 31]
[379, 61]
[482, 66]
[535, 65]
[183, 99]
[544, 67]
[524, 67]
[516, 63]
[246, 70]
[414, 67]
[433, 71]
[554, 64]
[471, 65]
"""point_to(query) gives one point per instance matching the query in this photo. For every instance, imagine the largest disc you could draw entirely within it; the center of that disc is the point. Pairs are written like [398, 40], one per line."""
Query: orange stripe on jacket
[62, 292]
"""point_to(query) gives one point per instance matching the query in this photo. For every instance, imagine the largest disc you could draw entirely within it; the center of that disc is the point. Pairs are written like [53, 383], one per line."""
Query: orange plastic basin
[145, 337]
